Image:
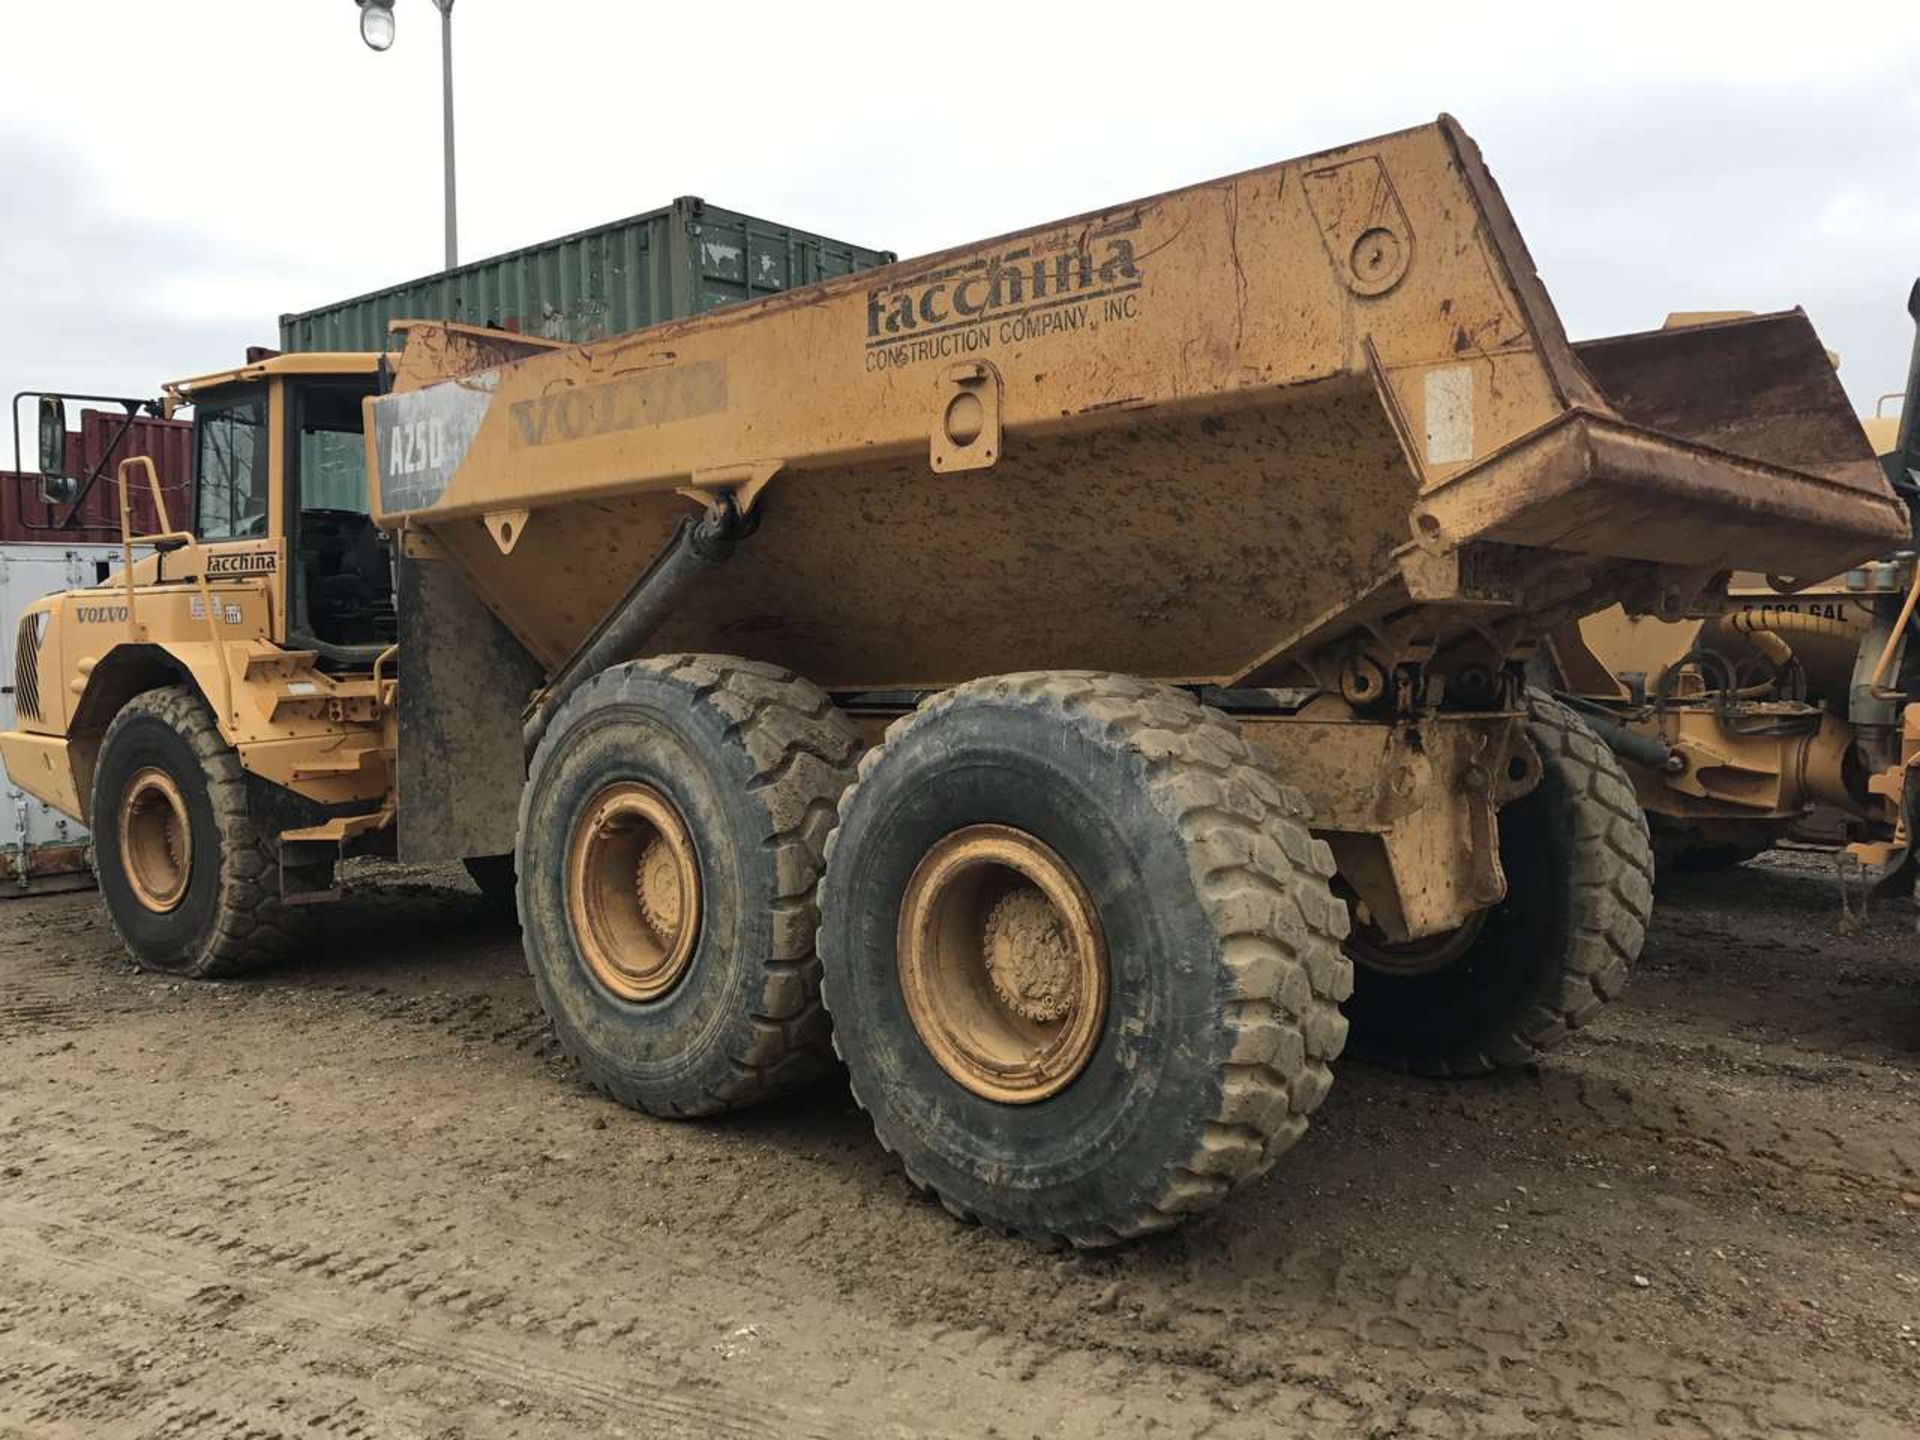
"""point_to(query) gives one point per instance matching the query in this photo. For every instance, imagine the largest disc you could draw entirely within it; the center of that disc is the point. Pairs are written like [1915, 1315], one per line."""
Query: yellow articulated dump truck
[1010, 667]
[1795, 711]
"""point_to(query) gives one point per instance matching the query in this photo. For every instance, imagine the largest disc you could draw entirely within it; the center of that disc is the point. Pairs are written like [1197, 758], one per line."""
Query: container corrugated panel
[169, 443]
[665, 264]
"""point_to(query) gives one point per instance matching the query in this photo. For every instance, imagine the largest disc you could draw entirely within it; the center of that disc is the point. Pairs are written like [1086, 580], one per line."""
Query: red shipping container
[169, 443]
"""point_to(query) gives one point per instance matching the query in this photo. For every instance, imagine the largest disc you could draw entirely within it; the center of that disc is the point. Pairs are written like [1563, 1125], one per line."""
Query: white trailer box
[40, 849]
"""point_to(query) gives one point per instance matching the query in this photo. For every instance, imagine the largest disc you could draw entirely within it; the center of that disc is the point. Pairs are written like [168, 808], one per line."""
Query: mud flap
[464, 687]
[1898, 877]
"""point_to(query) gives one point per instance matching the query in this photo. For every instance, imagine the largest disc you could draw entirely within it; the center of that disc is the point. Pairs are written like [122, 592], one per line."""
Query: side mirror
[59, 489]
[53, 436]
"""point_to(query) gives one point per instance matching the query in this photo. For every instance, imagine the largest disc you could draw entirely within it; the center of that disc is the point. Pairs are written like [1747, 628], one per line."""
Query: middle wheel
[671, 834]
[1081, 954]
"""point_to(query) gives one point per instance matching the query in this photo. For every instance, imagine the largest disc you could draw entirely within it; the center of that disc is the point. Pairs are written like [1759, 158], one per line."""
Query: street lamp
[376, 28]
[376, 23]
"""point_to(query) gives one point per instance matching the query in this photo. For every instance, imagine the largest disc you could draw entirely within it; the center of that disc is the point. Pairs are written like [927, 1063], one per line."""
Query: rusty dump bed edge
[1168, 437]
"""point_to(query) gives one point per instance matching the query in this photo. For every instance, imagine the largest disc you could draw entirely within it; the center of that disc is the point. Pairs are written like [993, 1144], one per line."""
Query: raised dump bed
[1215, 432]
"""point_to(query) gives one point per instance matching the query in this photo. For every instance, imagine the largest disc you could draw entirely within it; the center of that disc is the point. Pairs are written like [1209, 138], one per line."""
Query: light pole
[376, 28]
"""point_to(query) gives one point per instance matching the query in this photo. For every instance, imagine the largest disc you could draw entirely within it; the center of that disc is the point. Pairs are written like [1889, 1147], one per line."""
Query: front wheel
[191, 880]
[1521, 976]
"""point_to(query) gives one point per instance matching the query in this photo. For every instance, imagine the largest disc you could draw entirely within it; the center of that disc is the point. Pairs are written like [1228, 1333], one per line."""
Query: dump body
[1214, 432]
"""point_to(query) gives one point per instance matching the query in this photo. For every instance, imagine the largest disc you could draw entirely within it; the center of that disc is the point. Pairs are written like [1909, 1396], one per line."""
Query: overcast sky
[176, 173]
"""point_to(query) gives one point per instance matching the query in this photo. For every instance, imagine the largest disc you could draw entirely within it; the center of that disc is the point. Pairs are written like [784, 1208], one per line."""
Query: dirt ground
[364, 1196]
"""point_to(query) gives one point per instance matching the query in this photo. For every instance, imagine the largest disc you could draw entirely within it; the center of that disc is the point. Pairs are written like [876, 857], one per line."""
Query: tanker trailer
[1177, 568]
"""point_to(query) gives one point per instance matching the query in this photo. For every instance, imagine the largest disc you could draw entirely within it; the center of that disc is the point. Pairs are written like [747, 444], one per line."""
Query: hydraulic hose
[1647, 750]
[1760, 621]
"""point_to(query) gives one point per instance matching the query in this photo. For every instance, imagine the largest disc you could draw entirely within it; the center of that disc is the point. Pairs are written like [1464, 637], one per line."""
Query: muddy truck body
[1080, 676]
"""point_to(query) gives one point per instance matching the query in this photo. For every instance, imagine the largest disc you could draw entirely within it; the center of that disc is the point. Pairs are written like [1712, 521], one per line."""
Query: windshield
[231, 467]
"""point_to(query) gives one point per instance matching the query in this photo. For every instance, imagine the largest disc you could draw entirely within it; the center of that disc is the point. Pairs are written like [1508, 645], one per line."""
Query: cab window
[340, 596]
[332, 459]
[231, 467]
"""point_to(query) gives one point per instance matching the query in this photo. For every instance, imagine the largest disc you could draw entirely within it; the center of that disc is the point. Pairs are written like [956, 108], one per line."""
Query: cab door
[239, 509]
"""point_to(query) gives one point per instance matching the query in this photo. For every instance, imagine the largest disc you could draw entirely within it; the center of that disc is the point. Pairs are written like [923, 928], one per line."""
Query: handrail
[1895, 638]
[188, 542]
[380, 664]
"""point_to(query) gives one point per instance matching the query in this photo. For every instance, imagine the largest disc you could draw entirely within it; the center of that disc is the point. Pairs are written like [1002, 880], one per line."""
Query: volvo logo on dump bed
[655, 397]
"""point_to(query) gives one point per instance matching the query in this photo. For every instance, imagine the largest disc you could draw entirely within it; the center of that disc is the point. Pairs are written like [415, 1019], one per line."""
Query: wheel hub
[1029, 956]
[662, 900]
[1002, 964]
[156, 840]
[633, 891]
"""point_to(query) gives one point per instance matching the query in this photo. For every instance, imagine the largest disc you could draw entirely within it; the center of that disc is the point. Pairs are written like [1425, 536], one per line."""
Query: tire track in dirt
[382, 1138]
[1410, 1323]
[108, 1388]
[173, 1278]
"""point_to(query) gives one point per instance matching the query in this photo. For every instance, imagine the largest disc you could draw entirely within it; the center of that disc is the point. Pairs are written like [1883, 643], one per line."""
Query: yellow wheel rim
[633, 891]
[1002, 964]
[156, 840]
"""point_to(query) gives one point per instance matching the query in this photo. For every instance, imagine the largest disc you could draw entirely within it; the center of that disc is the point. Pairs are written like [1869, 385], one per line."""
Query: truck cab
[258, 629]
[281, 493]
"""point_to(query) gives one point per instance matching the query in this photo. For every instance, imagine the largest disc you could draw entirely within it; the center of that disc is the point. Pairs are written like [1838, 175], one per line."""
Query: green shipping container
[668, 263]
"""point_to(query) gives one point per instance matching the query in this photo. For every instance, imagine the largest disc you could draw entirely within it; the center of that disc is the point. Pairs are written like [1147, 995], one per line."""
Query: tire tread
[1262, 881]
[802, 750]
[252, 925]
[1612, 884]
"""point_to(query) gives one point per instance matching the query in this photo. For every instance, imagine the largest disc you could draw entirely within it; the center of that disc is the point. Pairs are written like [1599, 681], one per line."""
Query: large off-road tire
[672, 945]
[191, 880]
[1124, 1000]
[1531, 970]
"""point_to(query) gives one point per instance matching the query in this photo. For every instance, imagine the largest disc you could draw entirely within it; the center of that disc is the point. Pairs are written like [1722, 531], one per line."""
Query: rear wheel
[1520, 977]
[191, 880]
[1081, 954]
[671, 834]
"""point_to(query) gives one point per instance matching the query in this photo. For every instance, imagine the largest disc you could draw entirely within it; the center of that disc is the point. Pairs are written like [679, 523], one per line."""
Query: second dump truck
[1796, 713]
[1012, 667]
